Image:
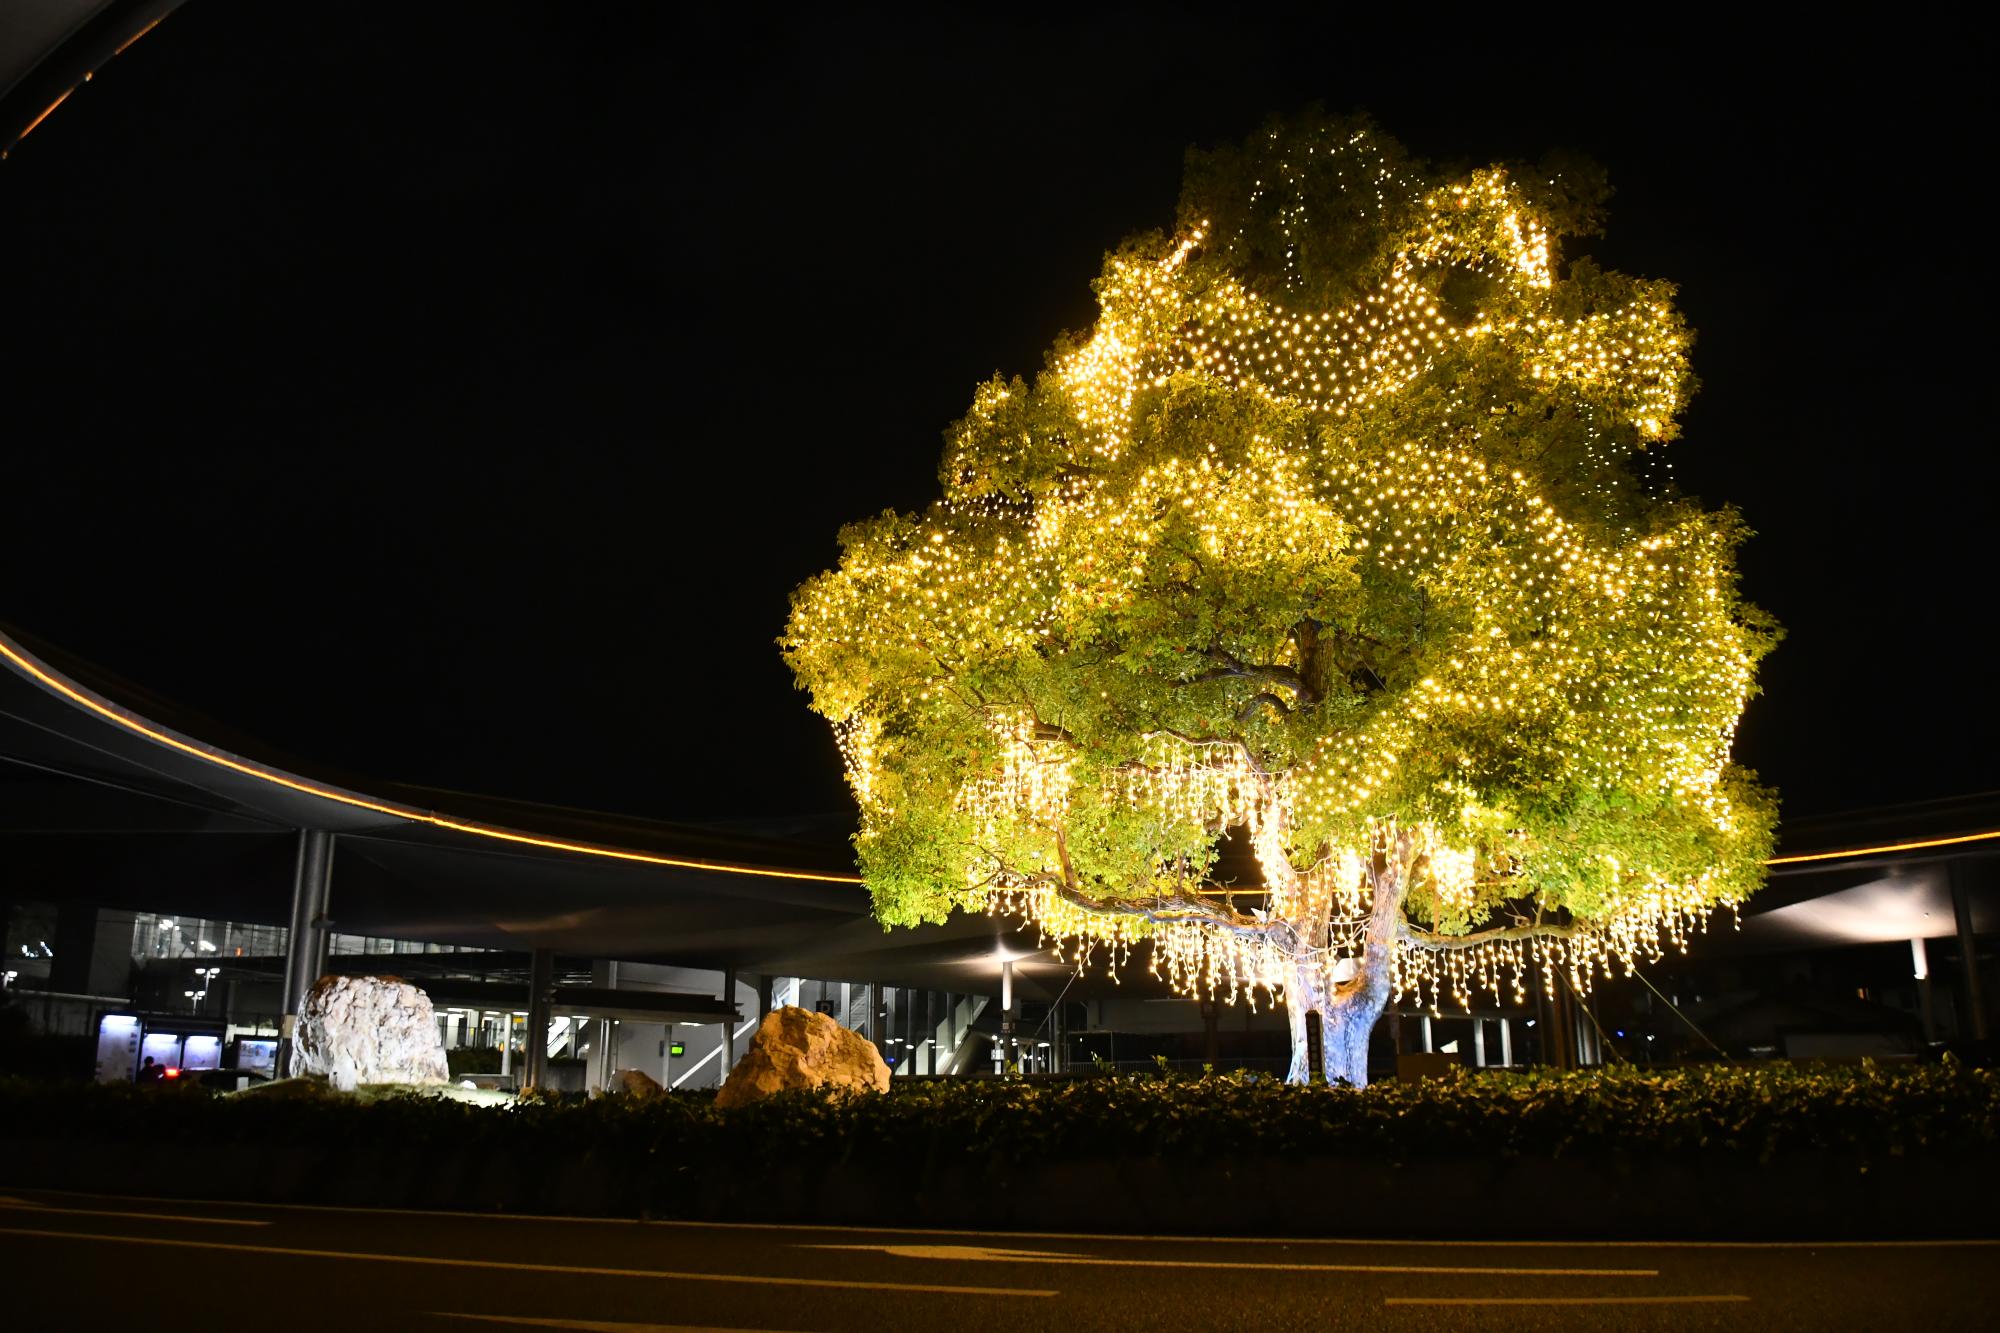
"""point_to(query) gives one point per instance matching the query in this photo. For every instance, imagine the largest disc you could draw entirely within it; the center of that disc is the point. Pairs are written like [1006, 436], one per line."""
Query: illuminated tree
[1334, 534]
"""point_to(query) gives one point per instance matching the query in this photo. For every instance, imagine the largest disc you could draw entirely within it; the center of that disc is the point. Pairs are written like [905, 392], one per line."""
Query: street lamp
[207, 975]
[1008, 1044]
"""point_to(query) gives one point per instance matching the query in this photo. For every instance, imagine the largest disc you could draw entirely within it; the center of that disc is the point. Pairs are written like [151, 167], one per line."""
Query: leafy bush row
[1761, 1112]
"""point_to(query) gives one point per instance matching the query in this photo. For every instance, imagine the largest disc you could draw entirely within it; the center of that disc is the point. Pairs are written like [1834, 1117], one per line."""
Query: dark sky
[453, 393]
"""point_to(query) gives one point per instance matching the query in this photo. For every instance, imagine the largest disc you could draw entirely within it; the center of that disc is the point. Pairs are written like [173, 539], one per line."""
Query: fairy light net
[1044, 674]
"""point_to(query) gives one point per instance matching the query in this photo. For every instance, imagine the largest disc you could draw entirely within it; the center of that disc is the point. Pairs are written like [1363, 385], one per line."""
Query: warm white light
[1345, 562]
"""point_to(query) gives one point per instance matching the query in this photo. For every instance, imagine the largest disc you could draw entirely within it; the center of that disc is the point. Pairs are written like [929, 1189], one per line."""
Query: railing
[951, 1047]
[1256, 1064]
[942, 1052]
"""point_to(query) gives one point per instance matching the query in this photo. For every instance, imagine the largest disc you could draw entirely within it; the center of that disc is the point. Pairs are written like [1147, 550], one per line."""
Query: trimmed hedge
[1757, 1153]
[1754, 1113]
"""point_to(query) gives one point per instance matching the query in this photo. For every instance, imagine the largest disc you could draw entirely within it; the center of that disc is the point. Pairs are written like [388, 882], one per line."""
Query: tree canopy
[1336, 533]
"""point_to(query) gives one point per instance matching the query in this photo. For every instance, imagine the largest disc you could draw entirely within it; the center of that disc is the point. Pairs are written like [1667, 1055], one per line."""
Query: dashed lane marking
[440, 1261]
[595, 1325]
[1411, 1242]
[989, 1254]
[1565, 1300]
[11, 1204]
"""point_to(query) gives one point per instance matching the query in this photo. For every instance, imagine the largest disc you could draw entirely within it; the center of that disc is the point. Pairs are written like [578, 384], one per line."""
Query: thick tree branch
[1257, 701]
[1432, 940]
[1230, 668]
[1043, 731]
[1163, 908]
[1229, 742]
[1173, 907]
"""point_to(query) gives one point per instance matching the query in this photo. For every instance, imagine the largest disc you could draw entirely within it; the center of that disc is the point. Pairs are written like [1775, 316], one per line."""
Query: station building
[173, 890]
[184, 886]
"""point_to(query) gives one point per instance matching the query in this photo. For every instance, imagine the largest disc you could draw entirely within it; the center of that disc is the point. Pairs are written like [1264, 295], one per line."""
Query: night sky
[453, 393]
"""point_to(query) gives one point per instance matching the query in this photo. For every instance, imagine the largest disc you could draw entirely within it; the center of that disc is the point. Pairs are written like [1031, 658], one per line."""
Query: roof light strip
[104, 708]
[1988, 836]
[28, 666]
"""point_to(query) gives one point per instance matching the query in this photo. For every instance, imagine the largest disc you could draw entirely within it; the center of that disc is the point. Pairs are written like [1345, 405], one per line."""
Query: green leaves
[1756, 1112]
[1334, 490]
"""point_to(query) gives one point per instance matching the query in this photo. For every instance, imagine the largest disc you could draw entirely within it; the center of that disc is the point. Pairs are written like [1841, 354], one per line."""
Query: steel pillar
[305, 942]
[1968, 952]
[1920, 968]
[728, 1026]
[1010, 1053]
[541, 980]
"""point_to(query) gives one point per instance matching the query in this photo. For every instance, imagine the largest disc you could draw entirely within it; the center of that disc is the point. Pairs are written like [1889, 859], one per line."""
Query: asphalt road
[75, 1261]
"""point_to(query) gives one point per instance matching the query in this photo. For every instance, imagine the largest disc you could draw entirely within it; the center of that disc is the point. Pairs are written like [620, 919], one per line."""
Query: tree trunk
[1347, 1016]
[1349, 1010]
[1304, 996]
[1346, 1031]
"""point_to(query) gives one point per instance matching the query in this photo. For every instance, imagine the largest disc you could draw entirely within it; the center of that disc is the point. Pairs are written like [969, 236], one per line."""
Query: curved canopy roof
[50, 48]
[117, 798]
[113, 797]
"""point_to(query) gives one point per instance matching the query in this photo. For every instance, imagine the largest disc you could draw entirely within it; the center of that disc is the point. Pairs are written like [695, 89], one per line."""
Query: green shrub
[473, 1060]
[1759, 1112]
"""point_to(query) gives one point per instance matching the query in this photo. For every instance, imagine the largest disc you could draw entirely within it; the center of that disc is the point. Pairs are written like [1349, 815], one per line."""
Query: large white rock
[368, 1030]
[796, 1048]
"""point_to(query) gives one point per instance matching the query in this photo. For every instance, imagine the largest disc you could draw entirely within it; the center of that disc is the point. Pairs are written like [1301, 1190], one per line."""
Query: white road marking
[30, 1206]
[1565, 1300]
[987, 1254]
[1975, 1242]
[596, 1325]
[756, 1279]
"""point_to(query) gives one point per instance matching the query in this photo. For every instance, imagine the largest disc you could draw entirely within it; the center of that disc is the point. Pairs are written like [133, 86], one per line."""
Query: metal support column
[322, 938]
[1968, 951]
[878, 1015]
[541, 980]
[601, 1061]
[1009, 1054]
[603, 1031]
[763, 997]
[728, 1025]
[1920, 968]
[1507, 1042]
[305, 942]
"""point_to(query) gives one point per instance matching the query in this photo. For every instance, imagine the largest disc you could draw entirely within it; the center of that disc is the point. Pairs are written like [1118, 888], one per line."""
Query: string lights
[1367, 590]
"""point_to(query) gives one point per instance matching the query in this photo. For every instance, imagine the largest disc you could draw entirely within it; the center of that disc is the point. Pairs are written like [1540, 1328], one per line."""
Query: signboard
[202, 1053]
[164, 1047]
[117, 1048]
